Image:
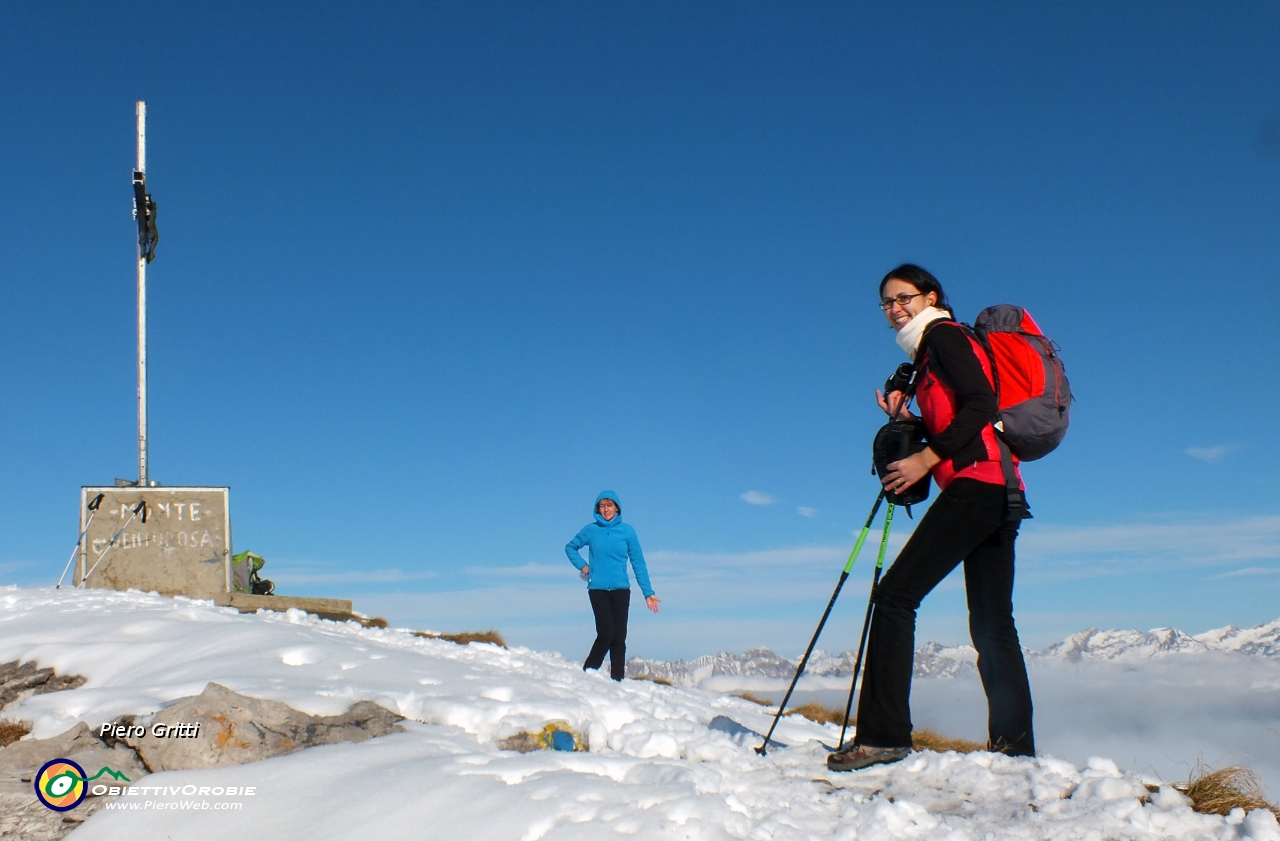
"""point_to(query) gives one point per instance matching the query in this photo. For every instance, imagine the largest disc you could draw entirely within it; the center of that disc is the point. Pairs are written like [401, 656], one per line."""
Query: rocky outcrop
[215, 728]
[22, 680]
[78, 744]
[232, 729]
[21, 815]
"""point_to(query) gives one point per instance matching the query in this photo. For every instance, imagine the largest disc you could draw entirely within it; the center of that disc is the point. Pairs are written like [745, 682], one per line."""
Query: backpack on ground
[1033, 396]
[244, 575]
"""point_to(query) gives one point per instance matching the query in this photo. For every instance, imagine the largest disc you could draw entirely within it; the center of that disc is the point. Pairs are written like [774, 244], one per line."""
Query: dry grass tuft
[819, 713]
[661, 681]
[372, 621]
[755, 699]
[12, 731]
[1218, 792]
[920, 739]
[466, 639]
[928, 740]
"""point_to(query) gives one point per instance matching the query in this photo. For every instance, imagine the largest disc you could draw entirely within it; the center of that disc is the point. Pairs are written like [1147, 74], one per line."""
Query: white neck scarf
[911, 333]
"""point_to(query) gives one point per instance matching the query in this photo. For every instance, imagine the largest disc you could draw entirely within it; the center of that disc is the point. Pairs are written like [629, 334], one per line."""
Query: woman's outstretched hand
[893, 402]
[652, 603]
[905, 473]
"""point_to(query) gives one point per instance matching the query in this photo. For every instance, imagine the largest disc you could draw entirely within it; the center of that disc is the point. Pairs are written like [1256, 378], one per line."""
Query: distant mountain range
[934, 660]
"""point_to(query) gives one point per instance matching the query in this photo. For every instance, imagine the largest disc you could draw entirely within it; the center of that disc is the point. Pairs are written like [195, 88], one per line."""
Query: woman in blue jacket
[610, 544]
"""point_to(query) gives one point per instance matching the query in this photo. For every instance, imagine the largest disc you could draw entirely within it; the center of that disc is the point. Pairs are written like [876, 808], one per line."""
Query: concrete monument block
[182, 547]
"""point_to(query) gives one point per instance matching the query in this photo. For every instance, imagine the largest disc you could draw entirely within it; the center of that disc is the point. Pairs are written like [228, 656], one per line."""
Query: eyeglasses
[901, 300]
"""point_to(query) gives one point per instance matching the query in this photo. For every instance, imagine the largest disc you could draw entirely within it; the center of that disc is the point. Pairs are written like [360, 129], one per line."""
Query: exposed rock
[490, 636]
[21, 815]
[524, 742]
[120, 759]
[30, 754]
[234, 729]
[22, 818]
[22, 680]
[109, 738]
[20, 761]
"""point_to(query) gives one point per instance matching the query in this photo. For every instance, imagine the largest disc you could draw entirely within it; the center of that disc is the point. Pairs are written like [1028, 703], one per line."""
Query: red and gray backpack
[1033, 396]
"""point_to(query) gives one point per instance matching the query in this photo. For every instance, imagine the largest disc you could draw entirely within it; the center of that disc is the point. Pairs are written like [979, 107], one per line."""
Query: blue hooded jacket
[610, 543]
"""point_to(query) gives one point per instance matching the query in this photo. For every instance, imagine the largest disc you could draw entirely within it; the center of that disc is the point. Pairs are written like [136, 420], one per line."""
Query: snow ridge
[1262, 639]
[935, 660]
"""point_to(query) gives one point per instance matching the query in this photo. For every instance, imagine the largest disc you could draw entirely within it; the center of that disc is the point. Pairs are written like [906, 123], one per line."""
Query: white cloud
[758, 498]
[1074, 552]
[1250, 571]
[805, 511]
[529, 570]
[1210, 454]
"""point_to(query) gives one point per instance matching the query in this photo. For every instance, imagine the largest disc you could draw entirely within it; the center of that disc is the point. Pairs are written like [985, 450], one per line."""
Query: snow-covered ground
[654, 769]
[1159, 718]
[1157, 702]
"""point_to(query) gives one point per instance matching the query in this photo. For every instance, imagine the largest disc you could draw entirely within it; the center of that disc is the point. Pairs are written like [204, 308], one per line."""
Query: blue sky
[432, 275]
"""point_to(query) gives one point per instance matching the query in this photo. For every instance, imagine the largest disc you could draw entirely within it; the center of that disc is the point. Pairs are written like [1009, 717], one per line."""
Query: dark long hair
[921, 280]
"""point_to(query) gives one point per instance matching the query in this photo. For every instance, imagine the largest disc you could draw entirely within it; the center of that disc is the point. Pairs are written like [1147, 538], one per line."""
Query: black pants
[966, 523]
[610, 608]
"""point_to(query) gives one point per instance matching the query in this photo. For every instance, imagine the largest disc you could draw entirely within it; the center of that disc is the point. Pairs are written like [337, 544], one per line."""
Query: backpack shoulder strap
[1018, 509]
[980, 339]
[921, 366]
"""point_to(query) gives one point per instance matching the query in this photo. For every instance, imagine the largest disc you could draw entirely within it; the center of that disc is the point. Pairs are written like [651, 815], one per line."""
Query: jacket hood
[617, 518]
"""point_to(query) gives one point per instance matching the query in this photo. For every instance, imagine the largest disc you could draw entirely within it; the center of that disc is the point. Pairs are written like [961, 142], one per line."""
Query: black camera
[901, 378]
[896, 440]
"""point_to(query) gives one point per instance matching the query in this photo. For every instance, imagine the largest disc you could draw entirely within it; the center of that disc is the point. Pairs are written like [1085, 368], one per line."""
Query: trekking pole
[857, 547]
[93, 512]
[141, 506]
[866, 623]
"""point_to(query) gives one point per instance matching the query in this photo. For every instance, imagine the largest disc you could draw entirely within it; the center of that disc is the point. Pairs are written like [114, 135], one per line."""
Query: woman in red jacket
[969, 522]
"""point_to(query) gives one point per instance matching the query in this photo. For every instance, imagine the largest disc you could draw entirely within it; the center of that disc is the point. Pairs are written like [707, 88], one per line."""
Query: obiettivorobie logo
[61, 784]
